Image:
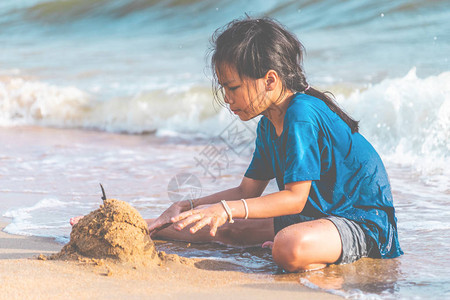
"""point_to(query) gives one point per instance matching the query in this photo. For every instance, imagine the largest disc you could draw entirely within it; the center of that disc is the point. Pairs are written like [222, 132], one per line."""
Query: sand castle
[114, 231]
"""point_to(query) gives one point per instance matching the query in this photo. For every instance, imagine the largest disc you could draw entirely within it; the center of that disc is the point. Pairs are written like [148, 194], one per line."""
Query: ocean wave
[406, 118]
[195, 16]
[67, 11]
[405, 113]
[24, 101]
[186, 110]
[408, 121]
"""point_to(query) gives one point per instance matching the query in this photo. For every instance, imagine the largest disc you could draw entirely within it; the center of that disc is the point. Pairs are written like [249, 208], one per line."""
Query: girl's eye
[233, 88]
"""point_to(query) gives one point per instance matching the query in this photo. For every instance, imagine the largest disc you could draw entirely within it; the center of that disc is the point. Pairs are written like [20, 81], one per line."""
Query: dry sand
[23, 276]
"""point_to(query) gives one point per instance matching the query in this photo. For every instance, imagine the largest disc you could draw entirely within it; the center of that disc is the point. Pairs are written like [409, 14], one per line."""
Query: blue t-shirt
[348, 177]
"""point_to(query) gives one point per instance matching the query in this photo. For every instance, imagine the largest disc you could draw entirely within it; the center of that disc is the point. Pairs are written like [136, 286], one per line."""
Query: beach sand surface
[24, 276]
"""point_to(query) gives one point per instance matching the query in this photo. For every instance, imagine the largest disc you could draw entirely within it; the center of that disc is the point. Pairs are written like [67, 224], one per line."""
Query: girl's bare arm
[247, 188]
[286, 202]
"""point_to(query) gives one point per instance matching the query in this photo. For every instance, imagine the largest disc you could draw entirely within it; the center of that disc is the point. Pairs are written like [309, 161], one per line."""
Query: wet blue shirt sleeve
[260, 167]
[302, 152]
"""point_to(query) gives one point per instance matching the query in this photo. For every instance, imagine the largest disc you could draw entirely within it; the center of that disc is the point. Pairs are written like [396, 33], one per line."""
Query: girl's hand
[75, 220]
[164, 219]
[213, 215]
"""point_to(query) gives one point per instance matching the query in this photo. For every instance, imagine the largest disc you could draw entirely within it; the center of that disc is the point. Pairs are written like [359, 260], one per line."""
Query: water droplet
[435, 38]
[382, 15]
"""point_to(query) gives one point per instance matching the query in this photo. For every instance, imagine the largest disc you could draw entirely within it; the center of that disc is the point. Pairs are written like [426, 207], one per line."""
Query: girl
[334, 204]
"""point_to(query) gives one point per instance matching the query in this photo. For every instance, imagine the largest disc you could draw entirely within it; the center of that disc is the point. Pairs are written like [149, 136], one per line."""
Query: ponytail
[331, 103]
[298, 84]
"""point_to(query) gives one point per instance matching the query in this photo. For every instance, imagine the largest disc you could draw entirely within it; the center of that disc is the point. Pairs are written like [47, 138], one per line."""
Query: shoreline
[24, 276]
[24, 247]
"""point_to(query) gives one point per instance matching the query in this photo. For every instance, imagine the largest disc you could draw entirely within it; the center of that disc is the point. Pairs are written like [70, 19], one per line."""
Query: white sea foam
[408, 121]
[347, 294]
[409, 114]
[33, 220]
[23, 213]
[33, 102]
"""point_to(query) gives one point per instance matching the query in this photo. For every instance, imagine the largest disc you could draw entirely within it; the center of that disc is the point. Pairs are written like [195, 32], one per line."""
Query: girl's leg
[249, 232]
[306, 246]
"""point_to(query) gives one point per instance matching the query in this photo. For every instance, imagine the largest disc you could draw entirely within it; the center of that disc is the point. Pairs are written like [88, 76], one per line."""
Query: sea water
[119, 93]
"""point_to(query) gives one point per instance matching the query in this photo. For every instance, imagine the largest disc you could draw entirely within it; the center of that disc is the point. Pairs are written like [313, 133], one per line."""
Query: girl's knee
[289, 253]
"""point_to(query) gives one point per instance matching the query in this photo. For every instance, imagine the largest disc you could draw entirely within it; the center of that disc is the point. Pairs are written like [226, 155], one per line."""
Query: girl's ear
[271, 80]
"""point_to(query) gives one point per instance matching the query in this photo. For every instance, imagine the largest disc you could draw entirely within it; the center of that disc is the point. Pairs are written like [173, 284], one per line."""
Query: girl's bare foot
[75, 220]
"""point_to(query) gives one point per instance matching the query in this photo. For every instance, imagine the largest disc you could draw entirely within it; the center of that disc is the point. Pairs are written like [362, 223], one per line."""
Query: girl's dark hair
[255, 46]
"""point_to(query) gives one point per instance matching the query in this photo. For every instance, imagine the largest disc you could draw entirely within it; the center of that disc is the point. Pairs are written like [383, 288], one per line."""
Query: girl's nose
[228, 100]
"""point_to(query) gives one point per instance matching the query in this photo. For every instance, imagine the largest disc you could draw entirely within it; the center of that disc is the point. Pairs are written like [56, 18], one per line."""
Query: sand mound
[116, 230]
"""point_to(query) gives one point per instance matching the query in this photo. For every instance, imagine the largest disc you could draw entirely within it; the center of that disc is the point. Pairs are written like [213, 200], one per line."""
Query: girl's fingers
[154, 225]
[191, 219]
[200, 224]
[182, 216]
[214, 225]
[157, 223]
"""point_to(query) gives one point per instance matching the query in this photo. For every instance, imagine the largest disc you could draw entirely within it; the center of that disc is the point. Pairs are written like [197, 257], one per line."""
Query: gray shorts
[355, 243]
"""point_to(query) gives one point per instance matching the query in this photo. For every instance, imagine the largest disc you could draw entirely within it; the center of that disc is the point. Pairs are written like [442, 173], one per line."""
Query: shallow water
[50, 175]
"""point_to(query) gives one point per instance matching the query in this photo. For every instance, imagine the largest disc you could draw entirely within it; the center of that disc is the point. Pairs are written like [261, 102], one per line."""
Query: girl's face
[247, 98]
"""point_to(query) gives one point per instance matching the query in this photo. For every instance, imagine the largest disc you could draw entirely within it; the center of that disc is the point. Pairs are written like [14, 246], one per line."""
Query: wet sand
[24, 276]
